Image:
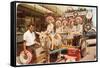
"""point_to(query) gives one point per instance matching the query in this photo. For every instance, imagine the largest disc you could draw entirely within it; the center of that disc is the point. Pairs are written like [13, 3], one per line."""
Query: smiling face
[58, 23]
[78, 20]
[31, 27]
[71, 22]
[65, 22]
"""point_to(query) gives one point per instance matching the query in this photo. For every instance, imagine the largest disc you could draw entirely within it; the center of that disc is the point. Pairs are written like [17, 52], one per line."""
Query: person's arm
[81, 29]
[35, 42]
[24, 45]
[24, 42]
[50, 28]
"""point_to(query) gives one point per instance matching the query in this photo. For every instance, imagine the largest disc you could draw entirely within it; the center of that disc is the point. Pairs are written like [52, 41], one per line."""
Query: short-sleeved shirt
[79, 28]
[29, 38]
[59, 29]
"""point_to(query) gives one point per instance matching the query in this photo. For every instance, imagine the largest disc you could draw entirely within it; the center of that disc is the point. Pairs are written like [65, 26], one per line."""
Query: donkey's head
[43, 36]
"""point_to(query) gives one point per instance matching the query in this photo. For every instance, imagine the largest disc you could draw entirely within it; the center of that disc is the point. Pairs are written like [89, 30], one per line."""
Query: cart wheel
[87, 27]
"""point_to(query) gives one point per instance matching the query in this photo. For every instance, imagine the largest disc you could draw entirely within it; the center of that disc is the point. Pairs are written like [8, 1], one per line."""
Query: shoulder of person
[52, 24]
[26, 33]
[33, 32]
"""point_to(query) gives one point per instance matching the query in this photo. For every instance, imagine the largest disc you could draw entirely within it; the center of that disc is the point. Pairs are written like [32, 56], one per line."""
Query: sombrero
[49, 17]
[25, 58]
[64, 22]
[71, 20]
[79, 18]
[59, 18]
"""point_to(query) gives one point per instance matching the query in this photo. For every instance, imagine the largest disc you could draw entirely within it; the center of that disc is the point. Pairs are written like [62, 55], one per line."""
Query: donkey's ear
[38, 33]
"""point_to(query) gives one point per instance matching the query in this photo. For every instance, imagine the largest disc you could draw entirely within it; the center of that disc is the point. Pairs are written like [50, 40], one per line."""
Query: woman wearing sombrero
[50, 20]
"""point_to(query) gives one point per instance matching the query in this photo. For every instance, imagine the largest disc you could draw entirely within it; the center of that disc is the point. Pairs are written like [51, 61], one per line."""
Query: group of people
[62, 25]
[71, 25]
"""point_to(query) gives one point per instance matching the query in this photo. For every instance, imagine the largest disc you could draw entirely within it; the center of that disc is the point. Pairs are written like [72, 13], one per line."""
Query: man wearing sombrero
[78, 30]
[79, 26]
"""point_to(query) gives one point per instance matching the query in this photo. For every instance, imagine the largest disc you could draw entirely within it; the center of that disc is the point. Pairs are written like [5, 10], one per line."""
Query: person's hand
[37, 42]
[25, 51]
[24, 46]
